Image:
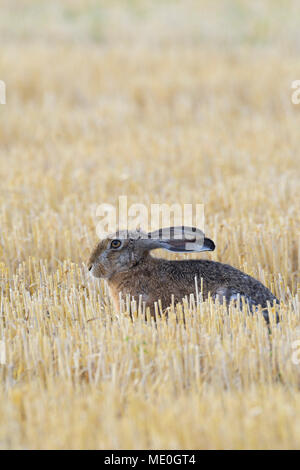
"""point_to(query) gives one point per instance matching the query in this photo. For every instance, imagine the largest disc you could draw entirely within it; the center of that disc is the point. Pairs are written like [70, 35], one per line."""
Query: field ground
[163, 102]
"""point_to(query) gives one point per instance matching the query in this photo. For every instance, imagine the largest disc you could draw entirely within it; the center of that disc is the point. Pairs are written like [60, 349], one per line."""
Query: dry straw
[115, 99]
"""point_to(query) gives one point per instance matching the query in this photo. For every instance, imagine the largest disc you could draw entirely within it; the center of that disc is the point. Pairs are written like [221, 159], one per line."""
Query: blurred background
[164, 102]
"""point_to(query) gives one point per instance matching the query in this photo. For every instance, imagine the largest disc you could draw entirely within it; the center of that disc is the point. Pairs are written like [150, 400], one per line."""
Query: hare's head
[124, 250]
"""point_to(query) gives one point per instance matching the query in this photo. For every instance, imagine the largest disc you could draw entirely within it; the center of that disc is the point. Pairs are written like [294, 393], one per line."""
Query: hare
[124, 260]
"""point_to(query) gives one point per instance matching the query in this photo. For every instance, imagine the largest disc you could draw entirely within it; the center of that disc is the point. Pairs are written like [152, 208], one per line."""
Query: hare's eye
[115, 244]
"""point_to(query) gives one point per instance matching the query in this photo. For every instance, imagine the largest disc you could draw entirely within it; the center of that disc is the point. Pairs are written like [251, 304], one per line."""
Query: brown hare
[124, 260]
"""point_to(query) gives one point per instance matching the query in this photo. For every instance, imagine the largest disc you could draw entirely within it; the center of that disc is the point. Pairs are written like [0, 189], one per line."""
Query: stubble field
[163, 102]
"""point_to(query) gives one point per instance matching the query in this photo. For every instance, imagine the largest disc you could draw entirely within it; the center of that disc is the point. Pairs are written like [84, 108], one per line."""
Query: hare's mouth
[97, 271]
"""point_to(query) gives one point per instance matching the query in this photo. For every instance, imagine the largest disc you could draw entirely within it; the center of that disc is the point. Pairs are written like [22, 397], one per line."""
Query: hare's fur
[132, 270]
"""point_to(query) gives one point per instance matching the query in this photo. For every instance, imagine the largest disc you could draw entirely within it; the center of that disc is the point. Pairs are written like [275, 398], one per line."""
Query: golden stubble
[120, 102]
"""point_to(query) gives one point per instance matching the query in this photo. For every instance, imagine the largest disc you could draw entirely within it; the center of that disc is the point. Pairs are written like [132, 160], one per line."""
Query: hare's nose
[90, 267]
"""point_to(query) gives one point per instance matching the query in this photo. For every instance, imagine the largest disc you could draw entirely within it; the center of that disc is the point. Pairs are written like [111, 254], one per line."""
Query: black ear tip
[209, 244]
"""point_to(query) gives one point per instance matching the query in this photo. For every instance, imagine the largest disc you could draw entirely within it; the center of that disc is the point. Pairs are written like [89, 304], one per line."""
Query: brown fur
[132, 270]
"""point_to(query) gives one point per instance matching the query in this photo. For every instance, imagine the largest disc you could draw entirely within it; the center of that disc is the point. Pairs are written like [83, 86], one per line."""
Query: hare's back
[224, 280]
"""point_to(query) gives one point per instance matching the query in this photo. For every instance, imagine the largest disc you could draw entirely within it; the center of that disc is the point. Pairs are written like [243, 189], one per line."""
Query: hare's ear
[181, 239]
[187, 246]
